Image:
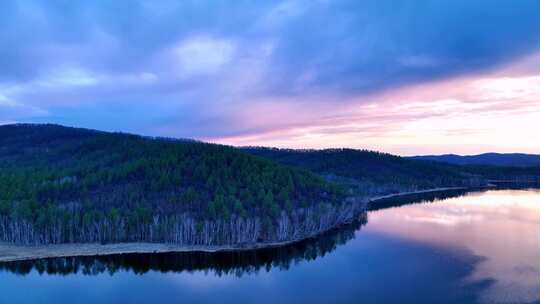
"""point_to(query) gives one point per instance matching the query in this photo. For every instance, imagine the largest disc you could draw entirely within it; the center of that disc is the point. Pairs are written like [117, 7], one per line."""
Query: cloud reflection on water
[501, 226]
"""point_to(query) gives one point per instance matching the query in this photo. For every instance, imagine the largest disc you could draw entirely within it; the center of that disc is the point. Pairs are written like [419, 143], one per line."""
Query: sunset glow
[269, 75]
[490, 112]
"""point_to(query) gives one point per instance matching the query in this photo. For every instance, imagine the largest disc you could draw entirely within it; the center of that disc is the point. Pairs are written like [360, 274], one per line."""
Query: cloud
[465, 115]
[11, 111]
[201, 55]
[69, 77]
[418, 61]
[259, 70]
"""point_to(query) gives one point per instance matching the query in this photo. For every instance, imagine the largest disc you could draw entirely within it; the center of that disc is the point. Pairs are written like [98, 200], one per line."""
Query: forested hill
[372, 172]
[511, 167]
[490, 159]
[60, 184]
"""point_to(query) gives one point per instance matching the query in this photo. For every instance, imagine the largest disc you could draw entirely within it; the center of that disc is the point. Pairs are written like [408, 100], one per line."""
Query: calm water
[481, 247]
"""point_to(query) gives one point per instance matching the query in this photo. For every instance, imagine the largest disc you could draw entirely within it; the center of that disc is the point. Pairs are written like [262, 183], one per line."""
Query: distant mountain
[494, 159]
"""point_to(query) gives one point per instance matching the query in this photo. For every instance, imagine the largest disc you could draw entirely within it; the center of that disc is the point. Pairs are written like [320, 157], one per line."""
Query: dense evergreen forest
[371, 173]
[511, 167]
[509, 174]
[60, 184]
[488, 159]
[67, 185]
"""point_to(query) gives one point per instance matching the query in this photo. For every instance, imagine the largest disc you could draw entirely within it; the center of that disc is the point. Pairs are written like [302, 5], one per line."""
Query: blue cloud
[371, 45]
[186, 66]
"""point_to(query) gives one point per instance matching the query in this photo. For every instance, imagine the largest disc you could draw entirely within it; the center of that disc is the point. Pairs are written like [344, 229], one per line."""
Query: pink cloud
[499, 110]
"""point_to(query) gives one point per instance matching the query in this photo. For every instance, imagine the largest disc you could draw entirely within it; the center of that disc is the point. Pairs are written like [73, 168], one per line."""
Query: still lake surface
[476, 247]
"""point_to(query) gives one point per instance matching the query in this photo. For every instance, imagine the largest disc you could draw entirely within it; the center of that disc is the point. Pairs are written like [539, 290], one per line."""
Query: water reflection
[453, 247]
[501, 226]
[419, 198]
[221, 263]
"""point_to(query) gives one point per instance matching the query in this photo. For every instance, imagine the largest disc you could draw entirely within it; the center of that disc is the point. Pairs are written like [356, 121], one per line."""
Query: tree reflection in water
[221, 263]
[419, 198]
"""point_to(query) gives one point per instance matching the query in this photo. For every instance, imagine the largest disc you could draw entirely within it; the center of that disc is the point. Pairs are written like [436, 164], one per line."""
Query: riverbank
[10, 252]
[381, 197]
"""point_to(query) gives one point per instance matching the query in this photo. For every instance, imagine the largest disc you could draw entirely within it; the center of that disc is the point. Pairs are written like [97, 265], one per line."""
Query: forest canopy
[51, 174]
[65, 185]
[372, 173]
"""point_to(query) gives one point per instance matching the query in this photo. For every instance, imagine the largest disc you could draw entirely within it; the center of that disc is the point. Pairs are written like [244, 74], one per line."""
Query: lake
[476, 247]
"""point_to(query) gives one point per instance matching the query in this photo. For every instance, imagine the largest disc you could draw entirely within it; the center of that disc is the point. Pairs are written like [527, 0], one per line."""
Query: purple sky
[407, 77]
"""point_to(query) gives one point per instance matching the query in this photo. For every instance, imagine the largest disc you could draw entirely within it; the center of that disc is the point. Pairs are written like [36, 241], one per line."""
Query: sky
[404, 77]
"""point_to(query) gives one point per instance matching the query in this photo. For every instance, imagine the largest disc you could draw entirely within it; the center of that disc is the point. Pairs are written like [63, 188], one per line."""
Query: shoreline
[13, 253]
[392, 195]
